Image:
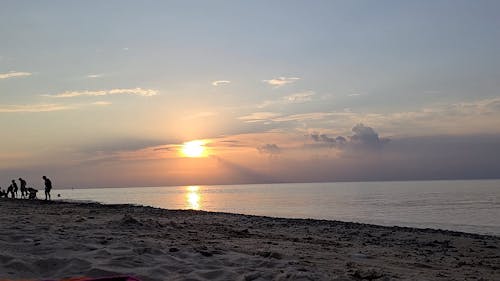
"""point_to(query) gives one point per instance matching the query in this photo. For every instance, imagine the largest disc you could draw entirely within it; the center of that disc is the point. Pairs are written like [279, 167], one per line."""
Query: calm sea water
[469, 206]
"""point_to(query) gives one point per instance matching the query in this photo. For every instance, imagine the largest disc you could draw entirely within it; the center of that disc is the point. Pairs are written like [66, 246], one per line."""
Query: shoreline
[401, 227]
[76, 201]
[59, 239]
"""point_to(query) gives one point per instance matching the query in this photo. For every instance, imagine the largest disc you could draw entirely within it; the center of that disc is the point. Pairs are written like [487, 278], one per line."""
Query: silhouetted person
[10, 190]
[22, 184]
[31, 193]
[14, 186]
[48, 187]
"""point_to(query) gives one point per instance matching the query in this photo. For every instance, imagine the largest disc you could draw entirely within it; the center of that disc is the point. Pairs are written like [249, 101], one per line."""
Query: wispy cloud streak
[281, 81]
[220, 82]
[300, 97]
[135, 91]
[33, 108]
[13, 74]
[258, 116]
[102, 103]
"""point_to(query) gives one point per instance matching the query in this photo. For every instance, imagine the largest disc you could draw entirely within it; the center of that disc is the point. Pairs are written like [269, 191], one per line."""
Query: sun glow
[194, 149]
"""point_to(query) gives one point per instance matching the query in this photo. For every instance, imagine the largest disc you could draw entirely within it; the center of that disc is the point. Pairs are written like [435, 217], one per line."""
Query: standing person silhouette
[14, 188]
[48, 187]
[22, 184]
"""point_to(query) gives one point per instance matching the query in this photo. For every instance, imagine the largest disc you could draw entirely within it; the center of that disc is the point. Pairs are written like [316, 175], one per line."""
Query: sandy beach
[41, 240]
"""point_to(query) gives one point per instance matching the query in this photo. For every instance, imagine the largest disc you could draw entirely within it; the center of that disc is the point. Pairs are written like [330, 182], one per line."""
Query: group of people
[26, 192]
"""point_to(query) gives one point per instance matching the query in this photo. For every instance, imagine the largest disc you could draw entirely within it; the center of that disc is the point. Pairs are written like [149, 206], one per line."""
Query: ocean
[468, 206]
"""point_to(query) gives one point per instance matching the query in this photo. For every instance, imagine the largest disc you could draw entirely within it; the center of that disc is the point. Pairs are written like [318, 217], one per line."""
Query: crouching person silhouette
[31, 192]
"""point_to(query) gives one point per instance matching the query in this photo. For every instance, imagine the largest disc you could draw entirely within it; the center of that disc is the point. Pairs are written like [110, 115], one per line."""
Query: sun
[194, 149]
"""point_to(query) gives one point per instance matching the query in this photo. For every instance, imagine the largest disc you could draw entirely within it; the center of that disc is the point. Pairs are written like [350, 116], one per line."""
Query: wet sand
[57, 240]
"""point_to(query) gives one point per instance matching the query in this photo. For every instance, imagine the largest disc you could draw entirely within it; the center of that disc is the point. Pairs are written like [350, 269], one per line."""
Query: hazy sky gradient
[103, 93]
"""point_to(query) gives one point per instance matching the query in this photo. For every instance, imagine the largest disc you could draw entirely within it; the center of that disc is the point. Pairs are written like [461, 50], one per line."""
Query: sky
[107, 93]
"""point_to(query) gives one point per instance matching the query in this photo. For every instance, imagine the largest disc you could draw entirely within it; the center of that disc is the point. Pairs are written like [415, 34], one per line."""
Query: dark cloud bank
[365, 156]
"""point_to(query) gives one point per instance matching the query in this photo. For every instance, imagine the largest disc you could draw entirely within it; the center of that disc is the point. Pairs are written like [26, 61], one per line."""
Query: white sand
[58, 240]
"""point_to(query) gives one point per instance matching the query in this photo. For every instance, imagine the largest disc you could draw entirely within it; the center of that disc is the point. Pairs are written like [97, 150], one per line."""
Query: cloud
[281, 81]
[228, 143]
[366, 137]
[327, 141]
[485, 106]
[478, 116]
[269, 148]
[470, 117]
[33, 108]
[421, 158]
[135, 91]
[338, 142]
[165, 148]
[110, 146]
[363, 137]
[44, 107]
[225, 144]
[300, 97]
[13, 74]
[258, 116]
[95, 75]
[220, 82]
[295, 98]
[102, 103]
[303, 116]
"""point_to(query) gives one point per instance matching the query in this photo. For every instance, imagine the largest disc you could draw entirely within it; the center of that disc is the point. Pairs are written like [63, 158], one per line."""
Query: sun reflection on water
[193, 197]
